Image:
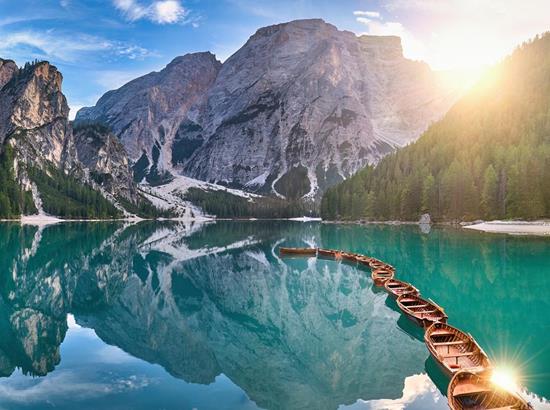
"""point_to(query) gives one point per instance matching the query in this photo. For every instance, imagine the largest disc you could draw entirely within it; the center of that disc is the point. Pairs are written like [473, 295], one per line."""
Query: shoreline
[519, 227]
[537, 228]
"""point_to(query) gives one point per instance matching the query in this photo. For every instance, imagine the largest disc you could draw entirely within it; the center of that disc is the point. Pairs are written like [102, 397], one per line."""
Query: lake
[166, 315]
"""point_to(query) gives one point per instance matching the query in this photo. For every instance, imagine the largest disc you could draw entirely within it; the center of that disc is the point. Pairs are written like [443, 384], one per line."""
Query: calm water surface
[183, 316]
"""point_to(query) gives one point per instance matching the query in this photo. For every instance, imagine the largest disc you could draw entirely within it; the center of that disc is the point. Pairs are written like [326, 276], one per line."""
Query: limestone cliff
[298, 108]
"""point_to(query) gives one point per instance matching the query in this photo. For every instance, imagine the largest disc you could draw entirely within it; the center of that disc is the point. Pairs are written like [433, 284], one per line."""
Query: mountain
[47, 168]
[298, 108]
[146, 113]
[489, 157]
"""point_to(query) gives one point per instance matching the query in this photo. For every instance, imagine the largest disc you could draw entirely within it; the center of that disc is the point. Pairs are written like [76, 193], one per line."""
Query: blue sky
[101, 44]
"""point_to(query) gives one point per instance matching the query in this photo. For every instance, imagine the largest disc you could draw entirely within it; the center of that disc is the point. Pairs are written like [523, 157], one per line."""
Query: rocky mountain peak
[304, 25]
[145, 114]
[7, 69]
[106, 160]
[378, 46]
[203, 57]
[301, 106]
[32, 102]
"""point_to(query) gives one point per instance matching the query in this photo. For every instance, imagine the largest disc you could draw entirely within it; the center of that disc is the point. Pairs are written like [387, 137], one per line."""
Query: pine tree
[489, 196]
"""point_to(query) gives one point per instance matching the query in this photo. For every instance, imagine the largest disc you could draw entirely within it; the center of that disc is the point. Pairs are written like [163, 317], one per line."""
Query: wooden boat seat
[417, 306]
[464, 354]
[455, 342]
[423, 312]
[467, 389]
[441, 333]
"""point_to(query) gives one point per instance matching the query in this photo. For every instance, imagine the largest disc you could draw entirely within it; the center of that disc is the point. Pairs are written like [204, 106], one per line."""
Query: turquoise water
[183, 316]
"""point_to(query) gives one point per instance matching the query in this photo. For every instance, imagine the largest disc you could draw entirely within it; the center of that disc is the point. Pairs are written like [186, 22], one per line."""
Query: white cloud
[371, 14]
[66, 383]
[363, 20]
[160, 11]
[65, 47]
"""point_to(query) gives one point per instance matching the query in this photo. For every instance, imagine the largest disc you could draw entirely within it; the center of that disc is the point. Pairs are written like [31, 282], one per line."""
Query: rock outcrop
[146, 113]
[106, 160]
[7, 70]
[34, 122]
[34, 112]
[298, 108]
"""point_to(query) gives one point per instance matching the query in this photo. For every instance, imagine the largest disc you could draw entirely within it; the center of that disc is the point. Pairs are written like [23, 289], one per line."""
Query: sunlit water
[175, 316]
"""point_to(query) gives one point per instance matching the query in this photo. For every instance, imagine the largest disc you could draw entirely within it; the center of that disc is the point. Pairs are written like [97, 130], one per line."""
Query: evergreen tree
[489, 157]
[489, 197]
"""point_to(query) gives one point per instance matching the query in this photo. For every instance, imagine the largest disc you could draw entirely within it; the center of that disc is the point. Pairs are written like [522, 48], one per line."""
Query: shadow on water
[436, 375]
[410, 328]
[404, 323]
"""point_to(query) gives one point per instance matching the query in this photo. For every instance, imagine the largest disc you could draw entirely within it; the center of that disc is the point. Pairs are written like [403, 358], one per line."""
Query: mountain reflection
[205, 300]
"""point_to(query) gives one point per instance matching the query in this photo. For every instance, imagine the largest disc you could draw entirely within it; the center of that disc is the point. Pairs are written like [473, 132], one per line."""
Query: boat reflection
[215, 301]
[291, 334]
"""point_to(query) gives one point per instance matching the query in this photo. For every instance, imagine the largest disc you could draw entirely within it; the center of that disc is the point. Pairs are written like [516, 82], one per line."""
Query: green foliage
[225, 205]
[144, 208]
[489, 157]
[97, 126]
[294, 184]
[13, 200]
[64, 196]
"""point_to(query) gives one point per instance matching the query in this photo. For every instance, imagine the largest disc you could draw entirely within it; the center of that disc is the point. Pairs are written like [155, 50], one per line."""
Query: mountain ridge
[298, 101]
[487, 158]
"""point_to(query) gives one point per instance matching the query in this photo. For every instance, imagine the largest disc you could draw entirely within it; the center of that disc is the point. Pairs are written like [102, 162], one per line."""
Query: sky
[101, 44]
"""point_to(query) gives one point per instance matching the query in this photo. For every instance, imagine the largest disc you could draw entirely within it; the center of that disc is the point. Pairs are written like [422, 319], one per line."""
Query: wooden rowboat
[349, 256]
[422, 311]
[380, 276]
[298, 251]
[454, 350]
[376, 264]
[326, 253]
[364, 260]
[469, 390]
[397, 288]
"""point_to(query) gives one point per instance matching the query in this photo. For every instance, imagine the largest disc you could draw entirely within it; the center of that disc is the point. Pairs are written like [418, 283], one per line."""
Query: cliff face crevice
[297, 95]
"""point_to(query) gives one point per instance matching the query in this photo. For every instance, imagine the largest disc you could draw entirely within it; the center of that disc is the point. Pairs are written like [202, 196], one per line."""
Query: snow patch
[39, 220]
[259, 181]
[305, 219]
[170, 195]
[513, 227]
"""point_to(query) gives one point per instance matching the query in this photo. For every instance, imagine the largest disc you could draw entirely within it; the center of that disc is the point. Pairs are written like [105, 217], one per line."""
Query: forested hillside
[489, 157]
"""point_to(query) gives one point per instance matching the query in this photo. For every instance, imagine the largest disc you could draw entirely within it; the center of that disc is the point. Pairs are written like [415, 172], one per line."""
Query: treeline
[97, 126]
[66, 197]
[489, 157]
[13, 200]
[145, 208]
[225, 205]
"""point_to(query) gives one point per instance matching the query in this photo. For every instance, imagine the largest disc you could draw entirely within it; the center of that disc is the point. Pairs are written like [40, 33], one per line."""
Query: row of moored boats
[456, 352]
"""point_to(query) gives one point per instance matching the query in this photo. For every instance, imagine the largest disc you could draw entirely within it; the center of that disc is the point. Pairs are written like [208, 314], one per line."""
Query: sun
[505, 378]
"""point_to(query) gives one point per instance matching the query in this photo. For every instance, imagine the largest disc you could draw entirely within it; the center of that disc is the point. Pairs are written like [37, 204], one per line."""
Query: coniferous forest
[489, 157]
